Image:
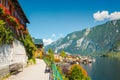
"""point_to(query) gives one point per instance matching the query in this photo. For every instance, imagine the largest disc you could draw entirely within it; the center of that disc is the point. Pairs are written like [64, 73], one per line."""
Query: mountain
[98, 39]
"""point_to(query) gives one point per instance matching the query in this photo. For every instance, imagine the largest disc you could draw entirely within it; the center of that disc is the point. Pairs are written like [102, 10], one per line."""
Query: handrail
[56, 73]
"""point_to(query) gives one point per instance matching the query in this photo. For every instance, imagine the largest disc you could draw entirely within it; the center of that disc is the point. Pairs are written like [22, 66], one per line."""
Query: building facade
[39, 45]
[12, 13]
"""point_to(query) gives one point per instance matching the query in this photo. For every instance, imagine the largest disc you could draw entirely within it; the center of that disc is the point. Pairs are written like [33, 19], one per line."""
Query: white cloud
[53, 35]
[47, 41]
[100, 16]
[115, 15]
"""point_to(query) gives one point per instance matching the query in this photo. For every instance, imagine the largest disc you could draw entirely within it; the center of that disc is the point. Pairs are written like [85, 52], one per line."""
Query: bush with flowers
[1, 10]
[7, 16]
[25, 32]
[12, 20]
[21, 27]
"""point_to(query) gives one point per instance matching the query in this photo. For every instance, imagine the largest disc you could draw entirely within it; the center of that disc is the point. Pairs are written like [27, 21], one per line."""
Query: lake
[104, 69]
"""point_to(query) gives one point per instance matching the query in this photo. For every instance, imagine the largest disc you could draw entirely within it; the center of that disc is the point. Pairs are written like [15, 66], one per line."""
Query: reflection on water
[104, 69]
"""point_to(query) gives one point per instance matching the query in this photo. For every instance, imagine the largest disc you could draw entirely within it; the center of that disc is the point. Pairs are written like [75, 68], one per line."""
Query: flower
[1, 6]
[13, 21]
[21, 27]
[25, 32]
[4, 12]
[7, 13]
[7, 16]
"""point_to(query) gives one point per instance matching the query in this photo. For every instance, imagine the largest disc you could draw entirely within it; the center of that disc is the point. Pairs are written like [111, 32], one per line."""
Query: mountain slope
[101, 38]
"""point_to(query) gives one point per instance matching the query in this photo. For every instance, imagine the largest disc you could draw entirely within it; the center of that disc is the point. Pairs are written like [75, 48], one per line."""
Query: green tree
[51, 54]
[63, 54]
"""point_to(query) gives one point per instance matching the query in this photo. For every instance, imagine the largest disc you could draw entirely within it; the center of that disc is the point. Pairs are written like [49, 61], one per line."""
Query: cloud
[115, 15]
[53, 35]
[47, 41]
[100, 16]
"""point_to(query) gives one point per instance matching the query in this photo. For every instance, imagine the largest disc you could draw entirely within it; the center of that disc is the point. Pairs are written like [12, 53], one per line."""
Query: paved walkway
[34, 72]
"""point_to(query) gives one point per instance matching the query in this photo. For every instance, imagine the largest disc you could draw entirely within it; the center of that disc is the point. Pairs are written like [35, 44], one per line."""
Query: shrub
[76, 72]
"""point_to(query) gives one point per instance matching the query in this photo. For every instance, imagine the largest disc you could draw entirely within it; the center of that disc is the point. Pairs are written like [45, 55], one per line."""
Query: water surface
[104, 69]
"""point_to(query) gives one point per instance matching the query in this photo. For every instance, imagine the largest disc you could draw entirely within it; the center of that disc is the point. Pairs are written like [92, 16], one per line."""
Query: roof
[37, 41]
[19, 8]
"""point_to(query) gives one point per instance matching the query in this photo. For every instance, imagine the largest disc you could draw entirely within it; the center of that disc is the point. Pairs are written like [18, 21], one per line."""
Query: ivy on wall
[30, 47]
[6, 34]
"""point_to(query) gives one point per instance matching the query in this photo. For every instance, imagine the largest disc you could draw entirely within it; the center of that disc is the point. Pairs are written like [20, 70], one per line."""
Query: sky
[53, 19]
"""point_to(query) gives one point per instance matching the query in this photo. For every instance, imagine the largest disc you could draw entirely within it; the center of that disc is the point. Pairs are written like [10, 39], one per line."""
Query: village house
[39, 45]
[57, 57]
[12, 13]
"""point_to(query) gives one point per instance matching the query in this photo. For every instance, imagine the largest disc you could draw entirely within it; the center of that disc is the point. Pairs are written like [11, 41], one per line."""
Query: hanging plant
[13, 21]
[6, 34]
[1, 10]
[21, 27]
[25, 32]
[6, 13]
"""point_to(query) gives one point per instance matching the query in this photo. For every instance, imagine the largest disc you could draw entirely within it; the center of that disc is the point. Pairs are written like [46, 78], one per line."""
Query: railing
[56, 73]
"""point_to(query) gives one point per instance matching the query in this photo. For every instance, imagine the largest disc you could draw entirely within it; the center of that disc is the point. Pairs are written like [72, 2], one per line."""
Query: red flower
[7, 11]
[25, 32]
[21, 27]
[17, 20]
[1, 6]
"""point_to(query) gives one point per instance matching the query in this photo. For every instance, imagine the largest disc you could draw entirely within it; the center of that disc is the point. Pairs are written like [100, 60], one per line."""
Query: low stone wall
[4, 70]
[10, 69]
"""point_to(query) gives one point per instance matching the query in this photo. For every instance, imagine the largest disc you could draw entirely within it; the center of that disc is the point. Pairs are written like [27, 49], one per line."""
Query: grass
[5, 77]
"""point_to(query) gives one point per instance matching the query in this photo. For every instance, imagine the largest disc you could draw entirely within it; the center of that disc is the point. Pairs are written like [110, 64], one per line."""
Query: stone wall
[4, 70]
[10, 54]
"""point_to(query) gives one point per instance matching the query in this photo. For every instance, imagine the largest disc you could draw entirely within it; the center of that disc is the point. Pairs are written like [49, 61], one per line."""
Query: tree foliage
[51, 54]
[63, 54]
[76, 72]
